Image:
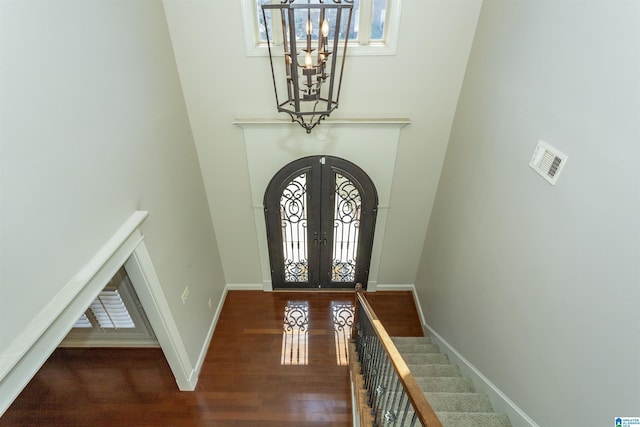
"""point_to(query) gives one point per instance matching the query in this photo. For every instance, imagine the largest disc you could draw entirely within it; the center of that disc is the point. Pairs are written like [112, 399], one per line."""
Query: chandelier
[307, 79]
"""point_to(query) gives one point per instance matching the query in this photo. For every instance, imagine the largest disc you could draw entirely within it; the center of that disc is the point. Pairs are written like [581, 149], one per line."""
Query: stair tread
[411, 340]
[451, 395]
[459, 402]
[473, 419]
[417, 348]
[428, 358]
[448, 384]
[434, 370]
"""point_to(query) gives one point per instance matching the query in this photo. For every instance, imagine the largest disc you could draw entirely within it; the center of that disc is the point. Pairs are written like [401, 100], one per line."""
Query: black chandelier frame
[312, 92]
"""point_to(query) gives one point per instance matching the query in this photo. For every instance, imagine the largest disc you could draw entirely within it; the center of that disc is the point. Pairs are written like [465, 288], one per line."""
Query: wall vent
[548, 161]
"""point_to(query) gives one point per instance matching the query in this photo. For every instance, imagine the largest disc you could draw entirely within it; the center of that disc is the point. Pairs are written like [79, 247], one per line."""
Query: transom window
[373, 31]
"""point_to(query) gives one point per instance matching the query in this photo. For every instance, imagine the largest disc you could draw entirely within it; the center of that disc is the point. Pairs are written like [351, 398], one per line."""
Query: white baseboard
[244, 287]
[499, 400]
[110, 343]
[149, 290]
[212, 328]
[396, 287]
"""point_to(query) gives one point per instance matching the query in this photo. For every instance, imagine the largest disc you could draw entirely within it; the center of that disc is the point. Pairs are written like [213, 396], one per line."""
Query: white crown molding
[253, 121]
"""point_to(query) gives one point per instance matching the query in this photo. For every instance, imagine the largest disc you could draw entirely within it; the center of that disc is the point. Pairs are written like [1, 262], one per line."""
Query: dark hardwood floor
[243, 381]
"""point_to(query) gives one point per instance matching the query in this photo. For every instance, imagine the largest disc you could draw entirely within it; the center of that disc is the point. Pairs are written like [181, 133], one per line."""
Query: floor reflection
[295, 332]
[342, 314]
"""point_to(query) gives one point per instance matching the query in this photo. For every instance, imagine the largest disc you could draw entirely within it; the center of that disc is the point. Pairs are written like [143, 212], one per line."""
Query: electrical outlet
[210, 303]
[185, 295]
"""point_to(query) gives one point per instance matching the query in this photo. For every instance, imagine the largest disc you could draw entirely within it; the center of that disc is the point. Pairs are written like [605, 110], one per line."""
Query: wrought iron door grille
[348, 207]
[293, 214]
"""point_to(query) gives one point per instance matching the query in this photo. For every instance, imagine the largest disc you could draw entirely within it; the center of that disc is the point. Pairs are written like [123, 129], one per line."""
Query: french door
[320, 213]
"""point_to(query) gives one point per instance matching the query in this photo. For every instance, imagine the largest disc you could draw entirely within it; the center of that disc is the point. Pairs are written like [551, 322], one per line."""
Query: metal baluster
[386, 377]
[392, 397]
[405, 412]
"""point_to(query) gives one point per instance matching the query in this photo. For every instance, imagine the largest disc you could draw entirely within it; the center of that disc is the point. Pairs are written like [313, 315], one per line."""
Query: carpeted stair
[452, 396]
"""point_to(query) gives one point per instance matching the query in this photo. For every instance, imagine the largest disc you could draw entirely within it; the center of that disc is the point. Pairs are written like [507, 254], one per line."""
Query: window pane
[293, 216]
[301, 18]
[261, 23]
[377, 19]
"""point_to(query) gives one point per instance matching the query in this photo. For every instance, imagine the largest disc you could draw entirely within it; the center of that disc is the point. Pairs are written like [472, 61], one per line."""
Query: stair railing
[394, 398]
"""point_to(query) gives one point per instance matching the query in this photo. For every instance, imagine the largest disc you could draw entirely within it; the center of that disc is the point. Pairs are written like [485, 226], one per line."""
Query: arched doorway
[320, 214]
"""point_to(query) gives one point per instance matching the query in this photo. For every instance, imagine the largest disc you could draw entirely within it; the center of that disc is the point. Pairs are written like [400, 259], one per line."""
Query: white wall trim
[329, 122]
[272, 144]
[245, 287]
[212, 328]
[396, 287]
[28, 352]
[105, 343]
[147, 285]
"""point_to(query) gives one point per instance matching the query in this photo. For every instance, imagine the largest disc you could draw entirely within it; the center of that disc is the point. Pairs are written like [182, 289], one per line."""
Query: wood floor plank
[242, 382]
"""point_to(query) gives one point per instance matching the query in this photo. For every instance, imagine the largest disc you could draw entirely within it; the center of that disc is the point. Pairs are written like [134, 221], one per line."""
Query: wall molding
[397, 287]
[270, 144]
[212, 328]
[244, 287]
[149, 290]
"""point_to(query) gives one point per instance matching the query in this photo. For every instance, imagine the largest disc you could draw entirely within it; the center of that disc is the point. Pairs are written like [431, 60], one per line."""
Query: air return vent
[548, 162]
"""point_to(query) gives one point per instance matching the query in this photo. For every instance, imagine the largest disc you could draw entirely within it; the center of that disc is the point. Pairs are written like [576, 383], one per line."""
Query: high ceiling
[421, 82]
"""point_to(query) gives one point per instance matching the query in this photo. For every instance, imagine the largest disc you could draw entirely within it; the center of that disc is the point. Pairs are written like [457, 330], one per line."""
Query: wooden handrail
[421, 405]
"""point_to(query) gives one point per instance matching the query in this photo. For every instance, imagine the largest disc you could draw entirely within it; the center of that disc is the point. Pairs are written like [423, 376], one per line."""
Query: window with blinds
[114, 319]
[108, 311]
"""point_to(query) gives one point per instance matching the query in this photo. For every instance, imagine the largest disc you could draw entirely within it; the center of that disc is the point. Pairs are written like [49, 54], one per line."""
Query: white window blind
[110, 311]
[114, 319]
[83, 322]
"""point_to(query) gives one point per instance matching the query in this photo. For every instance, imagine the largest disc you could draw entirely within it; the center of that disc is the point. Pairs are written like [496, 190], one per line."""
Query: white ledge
[27, 338]
[399, 122]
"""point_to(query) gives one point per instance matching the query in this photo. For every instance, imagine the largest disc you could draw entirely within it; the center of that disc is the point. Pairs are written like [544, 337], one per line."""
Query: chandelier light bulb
[308, 62]
[325, 28]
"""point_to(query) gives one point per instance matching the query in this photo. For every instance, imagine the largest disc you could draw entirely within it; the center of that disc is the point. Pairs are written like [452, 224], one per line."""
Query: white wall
[536, 285]
[93, 128]
[421, 83]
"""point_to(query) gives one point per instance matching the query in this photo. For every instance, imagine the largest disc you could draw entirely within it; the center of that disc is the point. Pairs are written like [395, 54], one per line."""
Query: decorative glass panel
[293, 215]
[295, 334]
[346, 227]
